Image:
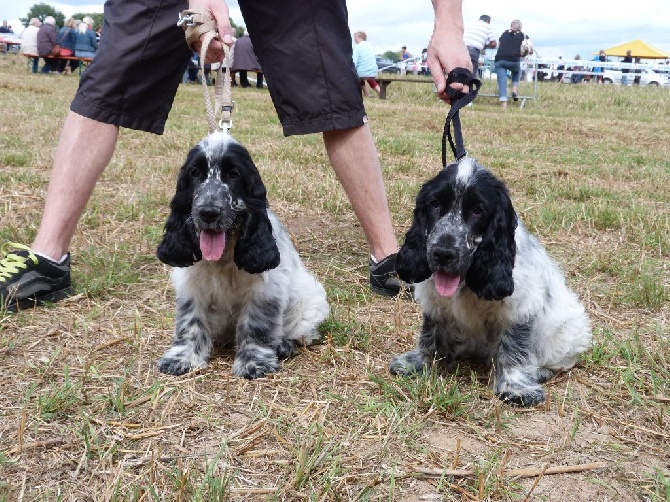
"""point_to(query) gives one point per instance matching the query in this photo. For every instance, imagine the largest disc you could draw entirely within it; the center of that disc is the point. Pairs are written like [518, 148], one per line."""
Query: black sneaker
[28, 280]
[384, 279]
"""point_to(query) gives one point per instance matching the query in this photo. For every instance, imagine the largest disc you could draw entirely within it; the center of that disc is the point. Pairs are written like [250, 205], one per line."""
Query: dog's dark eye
[233, 174]
[435, 205]
[196, 172]
[478, 211]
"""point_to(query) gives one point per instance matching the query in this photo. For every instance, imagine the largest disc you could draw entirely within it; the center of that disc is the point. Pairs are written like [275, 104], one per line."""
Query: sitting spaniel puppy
[487, 288]
[238, 278]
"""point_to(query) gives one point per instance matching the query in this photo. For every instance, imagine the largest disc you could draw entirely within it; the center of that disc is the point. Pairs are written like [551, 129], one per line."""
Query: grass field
[84, 414]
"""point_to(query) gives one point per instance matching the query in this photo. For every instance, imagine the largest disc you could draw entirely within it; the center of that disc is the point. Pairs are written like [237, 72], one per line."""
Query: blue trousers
[501, 73]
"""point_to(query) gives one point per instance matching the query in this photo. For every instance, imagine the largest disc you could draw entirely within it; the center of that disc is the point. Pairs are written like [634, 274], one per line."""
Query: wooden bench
[384, 82]
[83, 62]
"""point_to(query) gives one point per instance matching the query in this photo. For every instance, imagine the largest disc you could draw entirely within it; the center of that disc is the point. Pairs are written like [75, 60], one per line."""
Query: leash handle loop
[458, 99]
[195, 23]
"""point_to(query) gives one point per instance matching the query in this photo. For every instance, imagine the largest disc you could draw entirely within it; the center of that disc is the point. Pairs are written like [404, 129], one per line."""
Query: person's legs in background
[364, 89]
[501, 76]
[515, 70]
[259, 79]
[36, 64]
[47, 66]
[244, 80]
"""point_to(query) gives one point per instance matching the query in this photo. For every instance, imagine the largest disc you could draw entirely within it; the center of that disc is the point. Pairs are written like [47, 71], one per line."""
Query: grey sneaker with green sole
[28, 280]
[384, 279]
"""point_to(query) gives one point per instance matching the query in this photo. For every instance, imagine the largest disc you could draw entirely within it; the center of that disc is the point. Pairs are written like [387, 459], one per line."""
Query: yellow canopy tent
[638, 49]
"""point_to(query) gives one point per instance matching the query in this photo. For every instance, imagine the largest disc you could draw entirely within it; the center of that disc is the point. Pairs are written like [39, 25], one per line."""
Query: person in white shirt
[477, 37]
[29, 40]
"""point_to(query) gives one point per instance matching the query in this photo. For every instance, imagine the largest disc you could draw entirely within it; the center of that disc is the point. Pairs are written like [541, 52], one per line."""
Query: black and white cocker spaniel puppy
[487, 288]
[238, 278]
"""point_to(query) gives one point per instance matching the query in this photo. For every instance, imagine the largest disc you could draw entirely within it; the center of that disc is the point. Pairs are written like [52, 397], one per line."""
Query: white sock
[59, 262]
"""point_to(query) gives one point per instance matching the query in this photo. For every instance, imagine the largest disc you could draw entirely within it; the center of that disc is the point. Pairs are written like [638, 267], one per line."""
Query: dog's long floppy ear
[412, 262]
[256, 249]
[490, 274]
[180, 247]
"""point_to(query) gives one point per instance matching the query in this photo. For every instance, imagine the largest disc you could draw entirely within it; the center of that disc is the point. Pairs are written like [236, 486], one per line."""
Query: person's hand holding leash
[446, 50]
[220, 13]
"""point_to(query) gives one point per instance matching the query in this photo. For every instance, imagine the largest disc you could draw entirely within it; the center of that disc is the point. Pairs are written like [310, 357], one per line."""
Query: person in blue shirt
[87, 42]
[67, 39]
[365, 63]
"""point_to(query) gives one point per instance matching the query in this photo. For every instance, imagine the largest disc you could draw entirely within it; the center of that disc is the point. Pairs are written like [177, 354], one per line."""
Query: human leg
[501, 77]
[354, 158]
[375, 86]
[84, 150]
[515, 70]
[244, 80]
[130, 92]
[47, 66]
[259, 79]
[311, 96]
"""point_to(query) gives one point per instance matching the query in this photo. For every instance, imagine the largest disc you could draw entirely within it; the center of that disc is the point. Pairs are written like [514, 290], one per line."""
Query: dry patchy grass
[86, 416]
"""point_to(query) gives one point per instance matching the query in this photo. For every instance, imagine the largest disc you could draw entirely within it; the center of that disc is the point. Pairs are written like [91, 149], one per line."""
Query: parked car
[647, 77]
[387, 66]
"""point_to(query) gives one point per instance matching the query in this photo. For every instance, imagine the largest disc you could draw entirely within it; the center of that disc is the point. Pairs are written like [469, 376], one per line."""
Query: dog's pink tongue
[446, 284]
[212, 244]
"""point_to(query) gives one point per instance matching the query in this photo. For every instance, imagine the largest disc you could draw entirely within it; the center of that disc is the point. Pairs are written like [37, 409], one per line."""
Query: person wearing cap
[477, 37]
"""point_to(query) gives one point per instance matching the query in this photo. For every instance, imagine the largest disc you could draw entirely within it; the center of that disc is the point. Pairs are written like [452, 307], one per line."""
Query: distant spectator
[191, 74]
[245, 60]
[477, 38]
[67, 39]
[624, 71]
[599, 69]
[637, 71]
[5, 28]
[577, 77]
[87, 43]
[365, 63]
[507, 58]
[404, 56]
[424, 63]
[29, 41]
[47, 39]
[560, 66]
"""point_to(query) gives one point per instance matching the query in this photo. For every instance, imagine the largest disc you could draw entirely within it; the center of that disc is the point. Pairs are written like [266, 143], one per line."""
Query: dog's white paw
[408, 364]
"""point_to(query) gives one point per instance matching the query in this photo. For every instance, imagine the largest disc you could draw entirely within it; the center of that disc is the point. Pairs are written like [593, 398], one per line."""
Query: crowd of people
[241, 58]
[75, 38]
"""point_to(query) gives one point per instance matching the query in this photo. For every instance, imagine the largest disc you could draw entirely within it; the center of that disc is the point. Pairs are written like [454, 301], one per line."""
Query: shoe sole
[384, 292]
[29, 303]
[404, 292]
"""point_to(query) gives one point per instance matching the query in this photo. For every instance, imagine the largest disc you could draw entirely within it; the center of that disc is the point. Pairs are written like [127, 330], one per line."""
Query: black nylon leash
[458, 99]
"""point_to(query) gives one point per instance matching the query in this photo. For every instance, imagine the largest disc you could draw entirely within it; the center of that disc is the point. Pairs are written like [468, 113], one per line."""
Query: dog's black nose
[209, 214]
[443, 254]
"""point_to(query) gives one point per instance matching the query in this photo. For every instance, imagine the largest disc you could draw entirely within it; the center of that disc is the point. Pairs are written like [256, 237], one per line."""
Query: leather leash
[458, 100]
[195, 23]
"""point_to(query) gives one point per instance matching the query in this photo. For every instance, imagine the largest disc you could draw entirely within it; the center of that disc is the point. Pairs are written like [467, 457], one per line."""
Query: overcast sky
[563, 28]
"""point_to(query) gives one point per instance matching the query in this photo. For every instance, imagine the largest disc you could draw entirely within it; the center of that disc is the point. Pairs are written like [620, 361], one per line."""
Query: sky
[564, 28]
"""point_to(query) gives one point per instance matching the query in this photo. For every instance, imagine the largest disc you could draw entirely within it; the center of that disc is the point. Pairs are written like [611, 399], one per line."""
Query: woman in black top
[507, 58]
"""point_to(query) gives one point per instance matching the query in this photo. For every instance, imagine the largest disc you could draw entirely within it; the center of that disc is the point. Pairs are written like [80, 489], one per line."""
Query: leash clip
[185, 21]
[226, 122]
